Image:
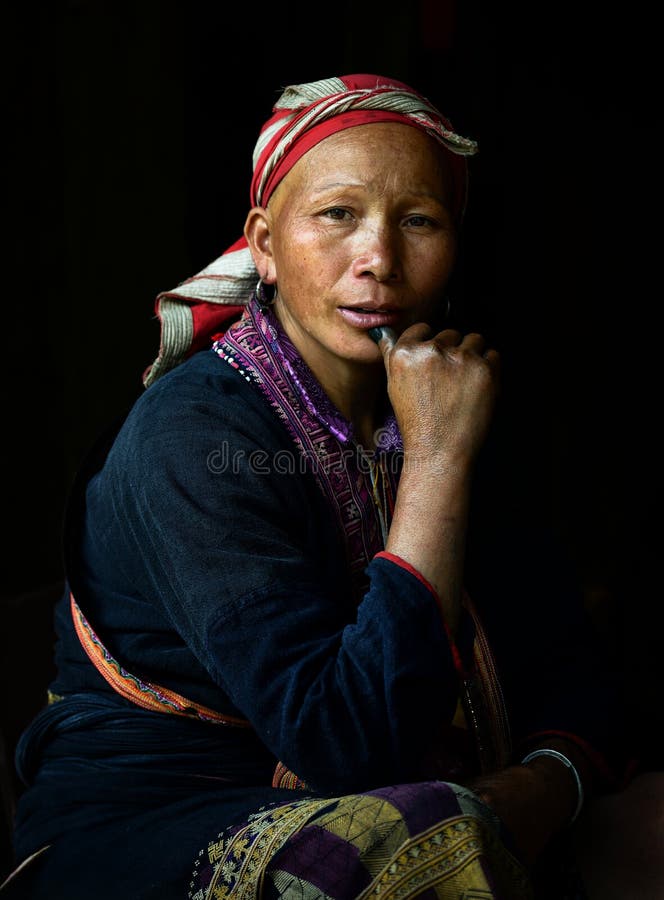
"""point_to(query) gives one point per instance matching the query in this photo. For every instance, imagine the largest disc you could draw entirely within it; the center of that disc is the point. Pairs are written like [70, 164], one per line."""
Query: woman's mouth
[368, 318]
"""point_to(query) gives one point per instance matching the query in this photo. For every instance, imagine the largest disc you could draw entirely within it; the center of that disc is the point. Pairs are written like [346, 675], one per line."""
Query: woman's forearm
[429, 527]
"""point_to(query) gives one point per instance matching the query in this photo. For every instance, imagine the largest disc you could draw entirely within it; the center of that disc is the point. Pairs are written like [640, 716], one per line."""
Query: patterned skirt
[427, 840]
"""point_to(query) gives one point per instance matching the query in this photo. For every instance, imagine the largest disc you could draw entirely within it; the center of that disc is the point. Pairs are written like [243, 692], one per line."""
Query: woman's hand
[443, 389]
[523, 805]
[534, 801]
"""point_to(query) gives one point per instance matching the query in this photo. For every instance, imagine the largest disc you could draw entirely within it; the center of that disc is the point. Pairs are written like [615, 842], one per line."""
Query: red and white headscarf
[304, 115]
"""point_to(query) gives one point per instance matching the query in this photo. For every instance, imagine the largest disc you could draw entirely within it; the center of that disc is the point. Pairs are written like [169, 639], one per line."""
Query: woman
[272, 676]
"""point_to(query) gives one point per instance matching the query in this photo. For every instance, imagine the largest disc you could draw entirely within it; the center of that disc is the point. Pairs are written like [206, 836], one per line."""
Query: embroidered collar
[359, 486]
[305, 384]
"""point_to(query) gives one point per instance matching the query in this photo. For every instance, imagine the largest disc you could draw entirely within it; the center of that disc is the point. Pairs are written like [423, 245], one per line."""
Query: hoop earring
[262, 298]
[448, 309]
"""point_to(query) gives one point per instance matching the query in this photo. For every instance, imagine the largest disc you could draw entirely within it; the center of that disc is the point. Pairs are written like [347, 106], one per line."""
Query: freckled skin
[362, 216]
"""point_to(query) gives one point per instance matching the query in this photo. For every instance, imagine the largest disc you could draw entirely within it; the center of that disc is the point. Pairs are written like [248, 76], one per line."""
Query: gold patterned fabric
[428, 840]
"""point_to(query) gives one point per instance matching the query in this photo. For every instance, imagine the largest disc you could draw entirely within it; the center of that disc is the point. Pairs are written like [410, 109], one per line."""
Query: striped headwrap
[304, 115]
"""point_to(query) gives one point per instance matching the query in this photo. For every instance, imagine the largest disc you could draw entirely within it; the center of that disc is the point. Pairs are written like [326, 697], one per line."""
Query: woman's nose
[377, 253]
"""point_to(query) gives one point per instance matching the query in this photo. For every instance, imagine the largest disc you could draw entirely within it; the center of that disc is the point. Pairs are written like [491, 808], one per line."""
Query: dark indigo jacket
[208, 563]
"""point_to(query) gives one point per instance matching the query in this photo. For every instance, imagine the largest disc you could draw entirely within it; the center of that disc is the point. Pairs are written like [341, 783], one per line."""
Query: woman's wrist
[561, 759]
[570, 784]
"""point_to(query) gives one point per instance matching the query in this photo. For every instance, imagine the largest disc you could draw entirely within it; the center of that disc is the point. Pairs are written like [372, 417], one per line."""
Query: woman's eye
[418, 221]
[337, 213]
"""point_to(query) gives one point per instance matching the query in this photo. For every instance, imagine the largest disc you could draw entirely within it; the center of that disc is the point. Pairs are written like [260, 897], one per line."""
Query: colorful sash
[143, 693]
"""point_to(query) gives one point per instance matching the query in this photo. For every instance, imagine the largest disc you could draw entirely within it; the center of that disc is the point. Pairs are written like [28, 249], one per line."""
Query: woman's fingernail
[378, 333]
[384, 336]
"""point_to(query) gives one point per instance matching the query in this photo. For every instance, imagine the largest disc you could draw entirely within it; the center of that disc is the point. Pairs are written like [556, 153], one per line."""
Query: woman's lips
[368, 318]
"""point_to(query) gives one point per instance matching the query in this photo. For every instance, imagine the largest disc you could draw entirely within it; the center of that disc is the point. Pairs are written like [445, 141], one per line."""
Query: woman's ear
[257, 232]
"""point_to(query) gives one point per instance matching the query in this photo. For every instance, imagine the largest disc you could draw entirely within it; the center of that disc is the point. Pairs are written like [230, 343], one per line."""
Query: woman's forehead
[359, 153]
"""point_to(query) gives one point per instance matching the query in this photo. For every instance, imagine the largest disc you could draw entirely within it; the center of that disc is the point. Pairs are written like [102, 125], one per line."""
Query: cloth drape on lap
[431, 840]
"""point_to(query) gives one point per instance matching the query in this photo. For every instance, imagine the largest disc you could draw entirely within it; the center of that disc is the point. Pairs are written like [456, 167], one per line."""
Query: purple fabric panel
[421, 804]
[326, 860]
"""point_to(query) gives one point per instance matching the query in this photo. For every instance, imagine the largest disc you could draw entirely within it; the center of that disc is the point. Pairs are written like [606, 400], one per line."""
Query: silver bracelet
[563, 759]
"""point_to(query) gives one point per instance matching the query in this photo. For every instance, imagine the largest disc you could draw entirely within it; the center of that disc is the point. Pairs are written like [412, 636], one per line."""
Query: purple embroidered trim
[259, 349]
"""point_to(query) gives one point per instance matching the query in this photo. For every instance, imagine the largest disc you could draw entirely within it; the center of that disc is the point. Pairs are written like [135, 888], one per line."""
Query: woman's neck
[358, 395]
[357, 389]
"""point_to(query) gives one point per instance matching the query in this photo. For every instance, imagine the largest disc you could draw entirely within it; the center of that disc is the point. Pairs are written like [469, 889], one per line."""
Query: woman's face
[359, 233]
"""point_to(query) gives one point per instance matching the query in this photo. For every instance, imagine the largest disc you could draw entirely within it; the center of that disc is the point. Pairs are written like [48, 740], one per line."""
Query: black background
[130, 127]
